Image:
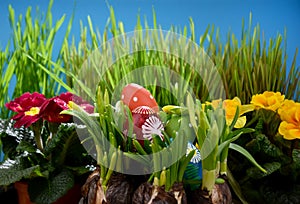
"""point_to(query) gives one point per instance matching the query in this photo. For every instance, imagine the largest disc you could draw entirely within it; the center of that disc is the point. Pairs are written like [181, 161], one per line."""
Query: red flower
[27, 107]
[78, 100]
[52, 108]
[87, 107]
[32, 107]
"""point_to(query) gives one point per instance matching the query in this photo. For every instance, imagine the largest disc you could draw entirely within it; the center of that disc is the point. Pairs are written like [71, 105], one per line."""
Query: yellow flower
[290, 116]
[286, 107]
[230, 106]
[268, 100]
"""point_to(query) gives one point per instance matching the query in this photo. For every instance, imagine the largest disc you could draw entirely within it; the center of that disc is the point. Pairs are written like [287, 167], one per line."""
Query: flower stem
[223, 167]
[39, 142]
[36, 127]
[223, 161]
[208, 182]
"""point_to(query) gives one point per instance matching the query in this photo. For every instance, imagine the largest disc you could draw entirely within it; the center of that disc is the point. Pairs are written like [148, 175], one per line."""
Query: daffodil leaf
[244, 152]
[191, 109]
[209, 148]
[236, 187]
[227, 142]
[238, 131]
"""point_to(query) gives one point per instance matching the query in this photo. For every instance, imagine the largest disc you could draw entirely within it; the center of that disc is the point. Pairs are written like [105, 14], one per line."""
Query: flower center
[70, 105]
[33, 111]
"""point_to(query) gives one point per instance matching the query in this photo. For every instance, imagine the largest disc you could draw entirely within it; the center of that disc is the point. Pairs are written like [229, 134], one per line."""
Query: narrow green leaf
[244, 152]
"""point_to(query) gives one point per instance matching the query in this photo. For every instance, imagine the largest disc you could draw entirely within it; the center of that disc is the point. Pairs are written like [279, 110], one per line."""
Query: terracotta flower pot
[22, 189]
[71, 197]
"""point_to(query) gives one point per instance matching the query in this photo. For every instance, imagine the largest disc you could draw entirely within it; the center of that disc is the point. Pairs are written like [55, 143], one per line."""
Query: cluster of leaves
[279, 157]
[52, 171]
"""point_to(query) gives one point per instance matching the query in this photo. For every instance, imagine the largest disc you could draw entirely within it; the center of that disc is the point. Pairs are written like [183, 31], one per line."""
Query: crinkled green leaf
[268, 147]
[26, 146]
[66, 148]
[296, 157]
[11, 137]
[7, 129]
[12, 171]
[45, 191]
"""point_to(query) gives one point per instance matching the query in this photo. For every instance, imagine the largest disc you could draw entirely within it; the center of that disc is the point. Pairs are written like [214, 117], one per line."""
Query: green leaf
[238, 131]
[26, 146]
[296, 157]
[244, 152]
[9, 72]
[268, 147]
[191, 110]
[236, 187]
[45, 191]
[227, 142]
[141, 159]
[11, 137]
[80, 170]
[7, 129]
[173, 125]
[66, 148]
[211, 142]
[232, 136]
[184, 161]
[268, 167]
[12, 171]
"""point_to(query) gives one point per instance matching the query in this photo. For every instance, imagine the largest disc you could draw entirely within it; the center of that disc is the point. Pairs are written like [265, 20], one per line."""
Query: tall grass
[31, 46]
[248, 65]
[252, 64]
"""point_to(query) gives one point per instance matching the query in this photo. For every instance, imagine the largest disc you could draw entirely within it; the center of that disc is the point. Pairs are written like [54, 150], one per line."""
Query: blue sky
[272, 16]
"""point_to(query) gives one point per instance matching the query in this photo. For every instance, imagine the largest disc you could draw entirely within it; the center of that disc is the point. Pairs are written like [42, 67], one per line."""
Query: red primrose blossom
[32, 107]
[27, 107]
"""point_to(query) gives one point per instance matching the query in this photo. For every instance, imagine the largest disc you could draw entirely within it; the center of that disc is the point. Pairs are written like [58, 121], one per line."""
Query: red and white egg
[144, 110]
[134, 95]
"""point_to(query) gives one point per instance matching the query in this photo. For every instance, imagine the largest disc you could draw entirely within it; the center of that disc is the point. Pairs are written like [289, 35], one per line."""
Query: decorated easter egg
[193, 171]
[134, 95]
[146, 123]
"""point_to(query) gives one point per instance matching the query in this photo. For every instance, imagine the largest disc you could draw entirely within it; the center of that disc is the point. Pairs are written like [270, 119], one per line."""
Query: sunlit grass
[248, 65]
[31, 37]
[253, 64]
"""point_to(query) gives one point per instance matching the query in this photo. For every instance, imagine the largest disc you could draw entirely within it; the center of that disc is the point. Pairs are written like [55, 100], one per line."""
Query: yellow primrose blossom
[290, 116]
[285, 107]
[230, 106]
[268, 100]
